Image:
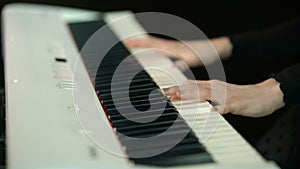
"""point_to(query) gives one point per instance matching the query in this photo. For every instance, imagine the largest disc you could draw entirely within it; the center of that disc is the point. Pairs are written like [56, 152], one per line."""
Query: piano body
[59, 107]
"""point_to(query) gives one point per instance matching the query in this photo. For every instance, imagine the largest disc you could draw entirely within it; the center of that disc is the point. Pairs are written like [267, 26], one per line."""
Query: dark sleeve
[289, 80]
[278, 42]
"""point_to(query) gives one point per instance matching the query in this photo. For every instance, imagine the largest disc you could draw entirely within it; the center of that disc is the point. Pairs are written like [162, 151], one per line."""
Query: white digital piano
[63, 113]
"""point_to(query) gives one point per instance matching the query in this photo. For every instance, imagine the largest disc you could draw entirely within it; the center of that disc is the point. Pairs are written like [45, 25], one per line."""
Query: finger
[172, 92]
[177, 96]
[190, 90]
[138, 42]
[212, 90]
[203, 83]
[181, 65]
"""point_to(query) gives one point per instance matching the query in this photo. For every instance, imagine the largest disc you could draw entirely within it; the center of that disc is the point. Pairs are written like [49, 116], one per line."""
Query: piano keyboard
[54, 127]
[211, 138]
[152, 153]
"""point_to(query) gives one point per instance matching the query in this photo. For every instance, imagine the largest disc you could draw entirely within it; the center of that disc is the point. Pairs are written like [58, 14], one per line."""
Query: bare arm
[222, 46]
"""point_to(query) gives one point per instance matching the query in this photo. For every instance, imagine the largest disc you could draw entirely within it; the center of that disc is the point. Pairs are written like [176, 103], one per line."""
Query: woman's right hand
[188, 51]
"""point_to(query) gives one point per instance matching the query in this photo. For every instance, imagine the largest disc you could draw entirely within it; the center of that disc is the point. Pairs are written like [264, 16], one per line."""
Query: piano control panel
[63, 73]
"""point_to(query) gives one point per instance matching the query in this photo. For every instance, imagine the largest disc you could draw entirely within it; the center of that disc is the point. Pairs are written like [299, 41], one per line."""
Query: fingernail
[178, 93]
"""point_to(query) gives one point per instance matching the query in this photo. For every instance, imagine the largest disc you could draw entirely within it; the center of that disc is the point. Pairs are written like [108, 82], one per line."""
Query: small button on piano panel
[61, 67]
[64, 73]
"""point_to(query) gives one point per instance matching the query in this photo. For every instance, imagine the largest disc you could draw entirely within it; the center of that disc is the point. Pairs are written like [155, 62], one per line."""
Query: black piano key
[187, 159]
[108, 70]
[132, 85]
[145, 129]
[151, 132]
[156, 106]
[111, 72]
[111, 58]
[130, 88]
[115, 61]
[121, 103]
[142, 110]
[138, 133]
[135, 98]
[164, 143]
[178, 150]
[170, 133]
[123, 83]
[145, 117]
[118, 116]
[141, 107]
[124, 123]
[107, 79]
[131, 91]
[123, 87]
[109, 75]
[109, 65]
[147, 125]
[137, 101]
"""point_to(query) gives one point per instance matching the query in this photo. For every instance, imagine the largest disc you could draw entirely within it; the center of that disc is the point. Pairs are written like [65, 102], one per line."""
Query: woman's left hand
[256, 100]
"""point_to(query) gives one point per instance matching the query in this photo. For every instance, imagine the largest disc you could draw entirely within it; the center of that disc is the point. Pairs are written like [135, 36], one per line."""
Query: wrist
[223, 46]
[275, 94]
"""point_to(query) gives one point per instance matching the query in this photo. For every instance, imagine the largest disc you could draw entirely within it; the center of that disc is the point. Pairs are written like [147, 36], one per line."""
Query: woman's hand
[247, 100]
[186, 51]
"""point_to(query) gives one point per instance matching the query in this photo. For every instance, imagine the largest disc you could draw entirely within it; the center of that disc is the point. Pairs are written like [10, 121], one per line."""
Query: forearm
[223, 46]
[272, 89]
[284, 88]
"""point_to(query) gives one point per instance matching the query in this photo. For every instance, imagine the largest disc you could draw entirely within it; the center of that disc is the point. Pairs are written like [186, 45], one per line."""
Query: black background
[216, 18]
